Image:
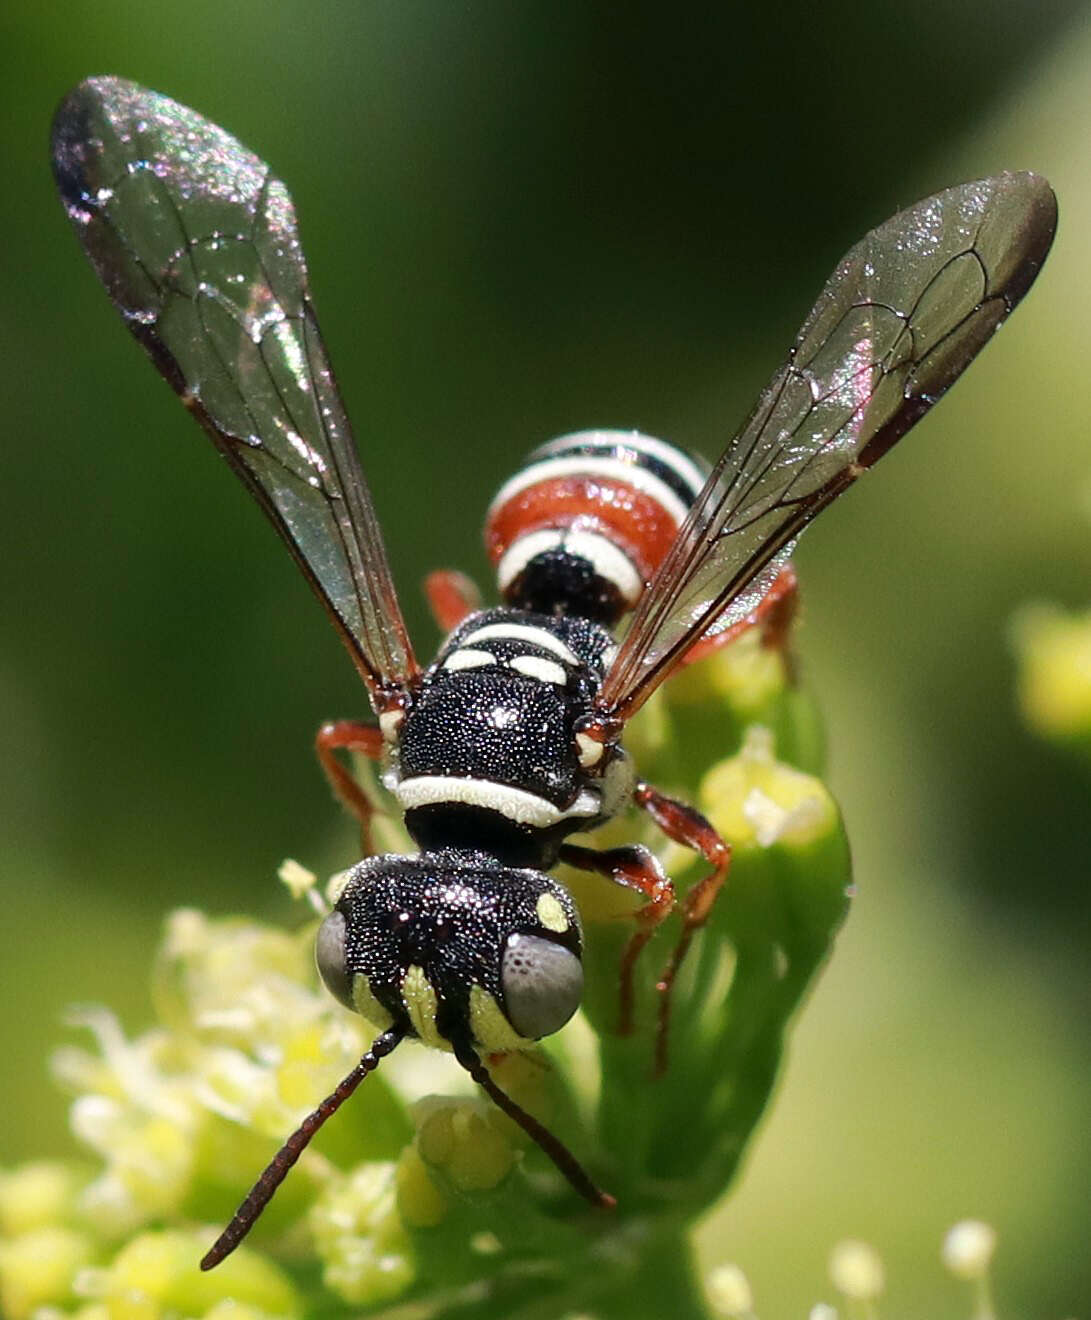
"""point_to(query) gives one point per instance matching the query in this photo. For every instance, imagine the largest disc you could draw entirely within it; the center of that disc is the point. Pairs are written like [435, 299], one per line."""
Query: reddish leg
[451, 597]
[349, 736]
[773, 615]
[686, 826]
[635, 868]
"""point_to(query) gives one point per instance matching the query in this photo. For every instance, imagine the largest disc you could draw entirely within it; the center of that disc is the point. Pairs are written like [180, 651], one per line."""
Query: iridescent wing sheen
[197, 245]
[901, 317]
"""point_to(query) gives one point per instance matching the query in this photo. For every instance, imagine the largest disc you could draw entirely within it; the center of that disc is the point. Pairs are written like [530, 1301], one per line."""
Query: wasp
[509, 742]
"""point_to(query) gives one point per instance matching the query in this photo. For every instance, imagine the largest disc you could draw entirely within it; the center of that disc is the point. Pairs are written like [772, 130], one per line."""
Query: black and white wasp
[509, 742]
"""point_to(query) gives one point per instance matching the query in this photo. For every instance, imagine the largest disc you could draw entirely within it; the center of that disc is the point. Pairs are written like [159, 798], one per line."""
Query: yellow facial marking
[491, 1029]
[551, 914]
[367, 1005]
[420, 1003]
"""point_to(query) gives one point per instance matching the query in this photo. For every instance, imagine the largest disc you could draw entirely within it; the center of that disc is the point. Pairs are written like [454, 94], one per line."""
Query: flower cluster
[420, 1190]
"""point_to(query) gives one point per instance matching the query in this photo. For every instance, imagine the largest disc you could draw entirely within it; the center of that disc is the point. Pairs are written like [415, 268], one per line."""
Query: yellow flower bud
[37, 1268]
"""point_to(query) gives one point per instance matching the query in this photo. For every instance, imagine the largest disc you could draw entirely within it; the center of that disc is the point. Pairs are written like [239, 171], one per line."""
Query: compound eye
[542, 983]
[329, 954]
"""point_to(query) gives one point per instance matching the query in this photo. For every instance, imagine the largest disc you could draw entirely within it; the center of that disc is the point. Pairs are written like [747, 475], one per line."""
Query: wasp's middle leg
[687, 826]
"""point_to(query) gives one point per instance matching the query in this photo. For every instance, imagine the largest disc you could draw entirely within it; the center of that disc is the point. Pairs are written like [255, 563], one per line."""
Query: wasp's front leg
[350, 736]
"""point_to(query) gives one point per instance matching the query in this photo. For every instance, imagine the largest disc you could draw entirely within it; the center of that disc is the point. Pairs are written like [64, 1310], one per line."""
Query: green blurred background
[524, 219]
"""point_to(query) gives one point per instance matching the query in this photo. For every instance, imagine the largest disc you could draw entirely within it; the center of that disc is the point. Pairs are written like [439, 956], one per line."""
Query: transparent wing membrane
[902, 316]
[197, 245]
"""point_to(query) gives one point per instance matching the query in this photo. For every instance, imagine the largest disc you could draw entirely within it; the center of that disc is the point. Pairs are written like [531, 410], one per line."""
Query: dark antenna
[262, 1191]
[557, 1151]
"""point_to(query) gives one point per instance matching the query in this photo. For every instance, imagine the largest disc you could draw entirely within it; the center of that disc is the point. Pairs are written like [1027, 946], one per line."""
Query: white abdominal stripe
[667, 454]
[606, 558]
[515, 804]
[587, 465]
[611, 460]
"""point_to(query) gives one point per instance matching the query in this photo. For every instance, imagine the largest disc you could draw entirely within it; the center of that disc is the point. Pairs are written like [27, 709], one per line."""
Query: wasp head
[454, 948]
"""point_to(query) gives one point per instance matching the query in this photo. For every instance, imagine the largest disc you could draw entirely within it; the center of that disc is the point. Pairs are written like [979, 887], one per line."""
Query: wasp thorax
[452, 946]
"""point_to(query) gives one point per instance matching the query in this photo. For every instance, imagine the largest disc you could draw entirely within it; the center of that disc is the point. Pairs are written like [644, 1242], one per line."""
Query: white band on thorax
[522, 632]
[515, 804]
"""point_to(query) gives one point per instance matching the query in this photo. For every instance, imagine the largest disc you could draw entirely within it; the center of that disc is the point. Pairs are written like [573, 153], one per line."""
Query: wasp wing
[901, 317]
[197, 245]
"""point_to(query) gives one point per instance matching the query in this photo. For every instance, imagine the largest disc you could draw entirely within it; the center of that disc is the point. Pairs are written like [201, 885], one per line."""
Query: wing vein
[897, 322]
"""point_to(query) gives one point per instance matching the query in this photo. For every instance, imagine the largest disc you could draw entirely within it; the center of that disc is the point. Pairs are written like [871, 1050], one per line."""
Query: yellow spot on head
[420, 1003]
[490, 1028]
[551, 914]
[367, 1005]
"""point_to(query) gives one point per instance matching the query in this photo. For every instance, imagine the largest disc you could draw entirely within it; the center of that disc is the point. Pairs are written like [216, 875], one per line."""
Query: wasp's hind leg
[772, 616]
[687, 826]
[350, 736]
[452, 597]
[635, 868]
